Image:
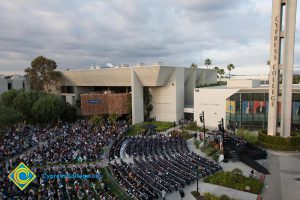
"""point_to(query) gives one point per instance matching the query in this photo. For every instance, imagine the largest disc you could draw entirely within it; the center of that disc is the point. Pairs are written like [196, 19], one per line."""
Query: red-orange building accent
[97, 104]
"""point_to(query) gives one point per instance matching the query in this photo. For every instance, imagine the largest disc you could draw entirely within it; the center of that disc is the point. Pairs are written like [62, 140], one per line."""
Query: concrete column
[179, 84]
[137, 97]
[288, 62]
[274, 67]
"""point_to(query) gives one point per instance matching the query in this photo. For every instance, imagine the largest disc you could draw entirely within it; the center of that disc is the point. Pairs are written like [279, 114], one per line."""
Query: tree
[49, 108]
[97, 120]
[229, 68]
[9, 116]
[147, 104]
[70, 114]
[207, 62]
[193, 65]
[42, 74]
[221, 72]
[113, 118]
[24, 102]
[8, 97]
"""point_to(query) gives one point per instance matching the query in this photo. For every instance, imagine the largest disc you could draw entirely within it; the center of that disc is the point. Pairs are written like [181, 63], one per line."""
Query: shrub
[235, 181]
[185, 135]
[195, 193]
[197, 143]
[247, 135]
[279, 143]
[216, 156]
[140, 128]
[209, 196]
[193, 127]
[237, 171]
[224, 197]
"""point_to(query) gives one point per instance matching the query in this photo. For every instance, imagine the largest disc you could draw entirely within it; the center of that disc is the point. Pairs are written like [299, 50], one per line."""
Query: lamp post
[221, 128]
[197, 171]
[202, 120]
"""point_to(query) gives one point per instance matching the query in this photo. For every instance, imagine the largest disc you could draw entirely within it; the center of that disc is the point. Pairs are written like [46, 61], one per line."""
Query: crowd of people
[76, 143]
[43, 188]
[41, 148]
[161, 164]
[18, 139]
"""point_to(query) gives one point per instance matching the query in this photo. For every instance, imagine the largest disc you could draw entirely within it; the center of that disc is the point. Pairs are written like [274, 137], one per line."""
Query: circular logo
[21, 176]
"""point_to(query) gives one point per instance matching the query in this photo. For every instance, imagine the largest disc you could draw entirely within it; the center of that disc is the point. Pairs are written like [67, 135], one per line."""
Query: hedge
[209, 196]
[138, 129]
[279, 143]
[235, 181]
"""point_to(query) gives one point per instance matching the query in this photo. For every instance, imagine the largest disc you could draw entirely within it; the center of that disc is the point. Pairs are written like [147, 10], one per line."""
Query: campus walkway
[284, 181]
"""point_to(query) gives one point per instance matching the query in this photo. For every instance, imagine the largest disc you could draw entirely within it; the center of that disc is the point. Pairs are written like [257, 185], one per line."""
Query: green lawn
[235, 181]
[192, 127]
[140, 128]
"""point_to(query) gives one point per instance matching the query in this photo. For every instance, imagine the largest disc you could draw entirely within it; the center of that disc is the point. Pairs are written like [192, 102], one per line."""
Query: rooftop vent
[141, 64]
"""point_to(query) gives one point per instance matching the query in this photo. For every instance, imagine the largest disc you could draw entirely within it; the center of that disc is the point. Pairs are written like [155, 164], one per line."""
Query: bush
[185, 135]
[195, 193]
[224, 197]
[193, 127]
[209, 196]
[197, 144]
[237, 171]
[279, 143]
[235, 181]
[247, 135]
[216, 156]
[210, 150]
[140, 128]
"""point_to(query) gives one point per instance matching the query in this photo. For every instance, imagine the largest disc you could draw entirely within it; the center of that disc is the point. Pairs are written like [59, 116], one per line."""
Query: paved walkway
[284, 180]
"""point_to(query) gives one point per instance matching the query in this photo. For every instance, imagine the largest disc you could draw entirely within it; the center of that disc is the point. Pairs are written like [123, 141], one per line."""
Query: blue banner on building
[94, 101]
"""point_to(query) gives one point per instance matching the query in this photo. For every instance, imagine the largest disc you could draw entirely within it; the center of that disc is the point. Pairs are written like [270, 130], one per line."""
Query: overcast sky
[77, 34]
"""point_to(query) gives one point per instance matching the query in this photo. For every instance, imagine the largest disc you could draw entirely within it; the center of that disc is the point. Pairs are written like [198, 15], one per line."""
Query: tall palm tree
[229, 68]
[217, 70]
[221, 72]
[193, 65]
[207, 62]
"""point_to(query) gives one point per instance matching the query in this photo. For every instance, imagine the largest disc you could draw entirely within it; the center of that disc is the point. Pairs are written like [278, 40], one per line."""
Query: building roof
[155, 75]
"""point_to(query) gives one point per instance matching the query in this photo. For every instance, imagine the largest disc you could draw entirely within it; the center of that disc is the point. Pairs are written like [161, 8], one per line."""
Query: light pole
[221, 128]
[197, 171]
[202, 120]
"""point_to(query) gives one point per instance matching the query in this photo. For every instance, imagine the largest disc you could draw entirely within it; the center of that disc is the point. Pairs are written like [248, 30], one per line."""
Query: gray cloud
[77, 34]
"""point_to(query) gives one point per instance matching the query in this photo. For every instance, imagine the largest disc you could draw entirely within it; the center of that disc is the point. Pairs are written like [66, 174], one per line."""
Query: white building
[12, 82]
[242, 103]
[172, 88]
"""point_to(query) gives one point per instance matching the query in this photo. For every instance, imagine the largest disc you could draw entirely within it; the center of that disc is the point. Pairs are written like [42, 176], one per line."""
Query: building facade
[242, 104]
[9, 82]
[172, 88]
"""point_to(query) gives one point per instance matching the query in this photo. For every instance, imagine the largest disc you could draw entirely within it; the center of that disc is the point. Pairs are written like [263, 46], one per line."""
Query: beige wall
[171, 87]
[137, 98]
[213, 103]
[3, 85]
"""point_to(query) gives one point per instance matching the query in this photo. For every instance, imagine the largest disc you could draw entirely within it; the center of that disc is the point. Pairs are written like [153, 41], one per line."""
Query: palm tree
[217, 70]
[193, 65]
[207, 62]
[221, 72]
[229, 68]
